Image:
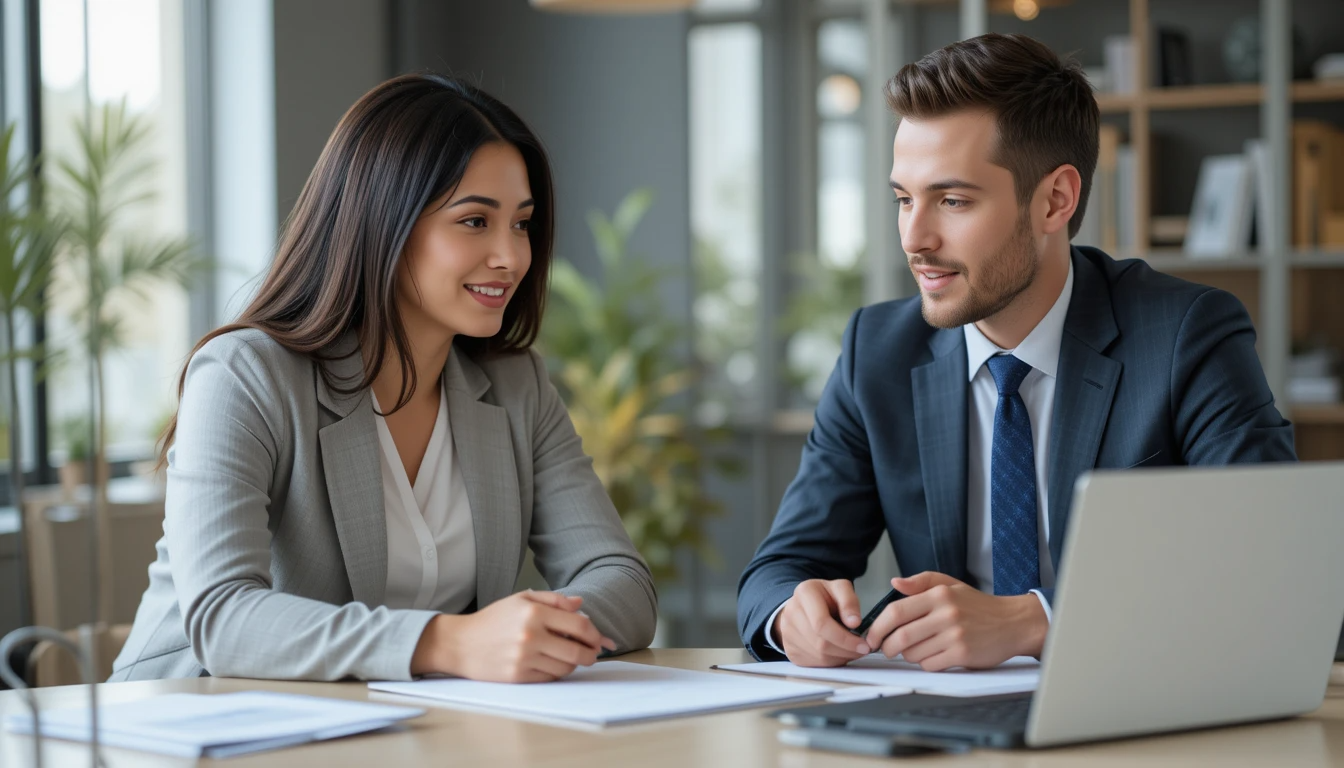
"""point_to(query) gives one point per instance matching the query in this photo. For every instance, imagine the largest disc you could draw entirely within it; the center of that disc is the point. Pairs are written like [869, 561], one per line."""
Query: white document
[611, 692]
[217, 726]
[1017, 675]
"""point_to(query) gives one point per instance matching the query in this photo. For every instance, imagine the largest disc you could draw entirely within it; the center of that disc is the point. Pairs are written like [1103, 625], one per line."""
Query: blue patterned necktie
[1012, 484]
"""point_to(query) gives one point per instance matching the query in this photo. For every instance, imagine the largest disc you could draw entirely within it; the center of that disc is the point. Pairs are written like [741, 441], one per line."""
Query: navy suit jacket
[1153, 371]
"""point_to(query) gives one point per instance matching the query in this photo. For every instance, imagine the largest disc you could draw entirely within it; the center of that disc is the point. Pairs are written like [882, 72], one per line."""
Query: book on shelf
[1257, 156]
[1119, 57]
[1099, 227]
[1318, 185]
[1126, 222]
[1172, 56]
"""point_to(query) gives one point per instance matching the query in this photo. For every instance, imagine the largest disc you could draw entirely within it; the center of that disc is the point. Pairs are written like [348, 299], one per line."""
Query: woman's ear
[1060, 192]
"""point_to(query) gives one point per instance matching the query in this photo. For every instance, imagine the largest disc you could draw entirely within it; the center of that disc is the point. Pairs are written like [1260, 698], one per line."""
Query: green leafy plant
[28, 239]
[106, 179]
[622, 366]
[74, 432]
[815, 318]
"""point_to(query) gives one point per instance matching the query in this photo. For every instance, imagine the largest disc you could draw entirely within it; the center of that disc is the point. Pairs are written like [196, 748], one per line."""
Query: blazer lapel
[353, 472]
[483, 444]
[1084, 389]
[940, 389]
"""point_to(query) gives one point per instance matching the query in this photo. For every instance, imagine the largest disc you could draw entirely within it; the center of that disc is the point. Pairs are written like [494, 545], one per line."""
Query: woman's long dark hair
[403, 145]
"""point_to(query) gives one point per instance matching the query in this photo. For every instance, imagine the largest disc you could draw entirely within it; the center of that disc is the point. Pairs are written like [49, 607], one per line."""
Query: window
[725, 143]
[133, 56]
[829, 281]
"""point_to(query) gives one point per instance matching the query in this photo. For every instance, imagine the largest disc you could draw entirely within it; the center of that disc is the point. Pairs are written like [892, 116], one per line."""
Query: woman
[359, 463]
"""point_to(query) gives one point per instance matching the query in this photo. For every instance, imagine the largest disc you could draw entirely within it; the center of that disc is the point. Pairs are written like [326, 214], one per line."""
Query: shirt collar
[1040, 349]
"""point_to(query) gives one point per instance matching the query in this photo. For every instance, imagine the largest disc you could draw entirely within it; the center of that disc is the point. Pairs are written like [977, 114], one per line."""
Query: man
[958, 422]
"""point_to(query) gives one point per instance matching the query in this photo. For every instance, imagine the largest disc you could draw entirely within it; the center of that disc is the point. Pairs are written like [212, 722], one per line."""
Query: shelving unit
[1291, 295]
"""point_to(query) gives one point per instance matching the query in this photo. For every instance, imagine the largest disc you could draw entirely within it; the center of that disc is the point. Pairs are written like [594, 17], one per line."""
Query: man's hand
[943, 623]
[809, 627]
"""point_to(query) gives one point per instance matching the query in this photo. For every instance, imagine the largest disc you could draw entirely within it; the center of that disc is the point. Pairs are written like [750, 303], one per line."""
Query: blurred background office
[723, 208]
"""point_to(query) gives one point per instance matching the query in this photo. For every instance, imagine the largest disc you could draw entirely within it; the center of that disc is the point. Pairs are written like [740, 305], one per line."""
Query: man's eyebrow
[941, 186]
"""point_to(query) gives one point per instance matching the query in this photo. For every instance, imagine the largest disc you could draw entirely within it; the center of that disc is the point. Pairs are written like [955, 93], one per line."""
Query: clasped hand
[941, 623]
[529, 637]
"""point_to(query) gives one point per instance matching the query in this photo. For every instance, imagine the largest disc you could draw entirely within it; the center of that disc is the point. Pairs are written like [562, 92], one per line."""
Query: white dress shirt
[431, 543]
[1040, 350]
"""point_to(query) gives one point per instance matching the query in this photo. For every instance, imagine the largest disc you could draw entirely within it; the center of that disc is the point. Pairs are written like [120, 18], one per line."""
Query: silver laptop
[1188, 598]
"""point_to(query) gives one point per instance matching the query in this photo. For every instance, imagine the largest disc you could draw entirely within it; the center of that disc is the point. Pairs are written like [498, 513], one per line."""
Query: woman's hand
[529, 637]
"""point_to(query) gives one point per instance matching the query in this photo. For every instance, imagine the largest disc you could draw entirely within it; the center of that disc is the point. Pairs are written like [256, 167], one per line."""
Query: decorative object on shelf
[613, 6]
[623, 368]
[1241, 51]
[1329, 67]
[1311, 375]
[1172, 55]
[1220, 217]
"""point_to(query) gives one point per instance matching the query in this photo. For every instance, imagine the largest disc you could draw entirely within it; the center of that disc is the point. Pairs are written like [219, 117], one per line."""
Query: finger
[567, 651]
[819, 622]
[921, 582]
[907, 639]
[551, 667]
[897, 615]
[569, 603]
[574, 626]
[846, 602]
[942, 660]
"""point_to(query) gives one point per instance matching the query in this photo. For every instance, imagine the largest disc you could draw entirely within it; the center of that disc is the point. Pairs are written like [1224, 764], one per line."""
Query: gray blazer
[276, 531]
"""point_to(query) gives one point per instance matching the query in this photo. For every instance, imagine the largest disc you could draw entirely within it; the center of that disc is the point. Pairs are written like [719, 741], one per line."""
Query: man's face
[971, 248]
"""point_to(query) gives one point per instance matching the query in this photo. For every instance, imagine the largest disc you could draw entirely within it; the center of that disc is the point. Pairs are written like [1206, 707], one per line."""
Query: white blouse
[431, 544]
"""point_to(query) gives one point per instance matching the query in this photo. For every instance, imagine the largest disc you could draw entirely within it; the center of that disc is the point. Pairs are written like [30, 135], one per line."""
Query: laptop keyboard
[1004, 712]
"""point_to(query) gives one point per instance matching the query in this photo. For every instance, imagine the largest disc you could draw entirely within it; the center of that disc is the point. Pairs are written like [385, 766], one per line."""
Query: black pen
[864, 743]
[868, 620]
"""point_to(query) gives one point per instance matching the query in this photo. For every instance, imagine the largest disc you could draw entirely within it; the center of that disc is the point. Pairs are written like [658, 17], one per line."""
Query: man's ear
[1058, 194]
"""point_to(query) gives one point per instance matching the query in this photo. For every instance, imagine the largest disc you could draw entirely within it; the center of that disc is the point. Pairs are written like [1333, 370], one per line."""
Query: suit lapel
[1084, 389]
[940, 389]
[483, 444]
[353, 473]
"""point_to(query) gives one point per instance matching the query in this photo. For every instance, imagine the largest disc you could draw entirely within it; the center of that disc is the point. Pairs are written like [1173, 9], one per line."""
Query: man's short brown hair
[1043, 105]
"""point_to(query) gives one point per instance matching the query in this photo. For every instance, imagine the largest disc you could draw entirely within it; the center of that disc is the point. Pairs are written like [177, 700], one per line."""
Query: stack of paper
[611, 692]
[223, 725]
[1017, 675]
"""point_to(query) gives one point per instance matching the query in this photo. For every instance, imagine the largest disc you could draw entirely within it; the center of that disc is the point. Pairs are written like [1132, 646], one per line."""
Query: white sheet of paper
[219, 725]
[612, 692]
[1017, 675]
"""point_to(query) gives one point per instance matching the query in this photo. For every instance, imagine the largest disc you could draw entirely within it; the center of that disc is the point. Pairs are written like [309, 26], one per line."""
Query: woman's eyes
[479, 222]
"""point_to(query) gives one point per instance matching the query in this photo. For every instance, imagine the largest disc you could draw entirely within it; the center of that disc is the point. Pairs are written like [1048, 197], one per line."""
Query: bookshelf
[1293, 295]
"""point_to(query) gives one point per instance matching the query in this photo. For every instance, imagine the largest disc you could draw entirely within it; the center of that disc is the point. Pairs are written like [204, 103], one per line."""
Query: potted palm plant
[28, 238]
[621, 364]
[107, 178]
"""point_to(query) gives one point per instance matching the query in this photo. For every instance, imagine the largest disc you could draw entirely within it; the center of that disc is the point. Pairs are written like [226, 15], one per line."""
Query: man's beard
[1001, 278]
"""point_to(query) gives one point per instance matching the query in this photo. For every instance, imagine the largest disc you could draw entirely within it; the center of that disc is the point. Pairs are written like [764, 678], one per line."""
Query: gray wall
[327, 54]
[606, 94]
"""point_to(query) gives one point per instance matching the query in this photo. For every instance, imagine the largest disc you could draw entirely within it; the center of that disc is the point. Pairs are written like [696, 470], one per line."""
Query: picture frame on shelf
[1220, 216]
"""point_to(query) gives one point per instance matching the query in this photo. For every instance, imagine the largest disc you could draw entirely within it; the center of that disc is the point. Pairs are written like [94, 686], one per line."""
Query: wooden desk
[741, 739]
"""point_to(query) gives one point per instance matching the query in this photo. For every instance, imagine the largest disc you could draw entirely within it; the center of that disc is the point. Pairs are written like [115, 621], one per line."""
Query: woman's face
[466, 256]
